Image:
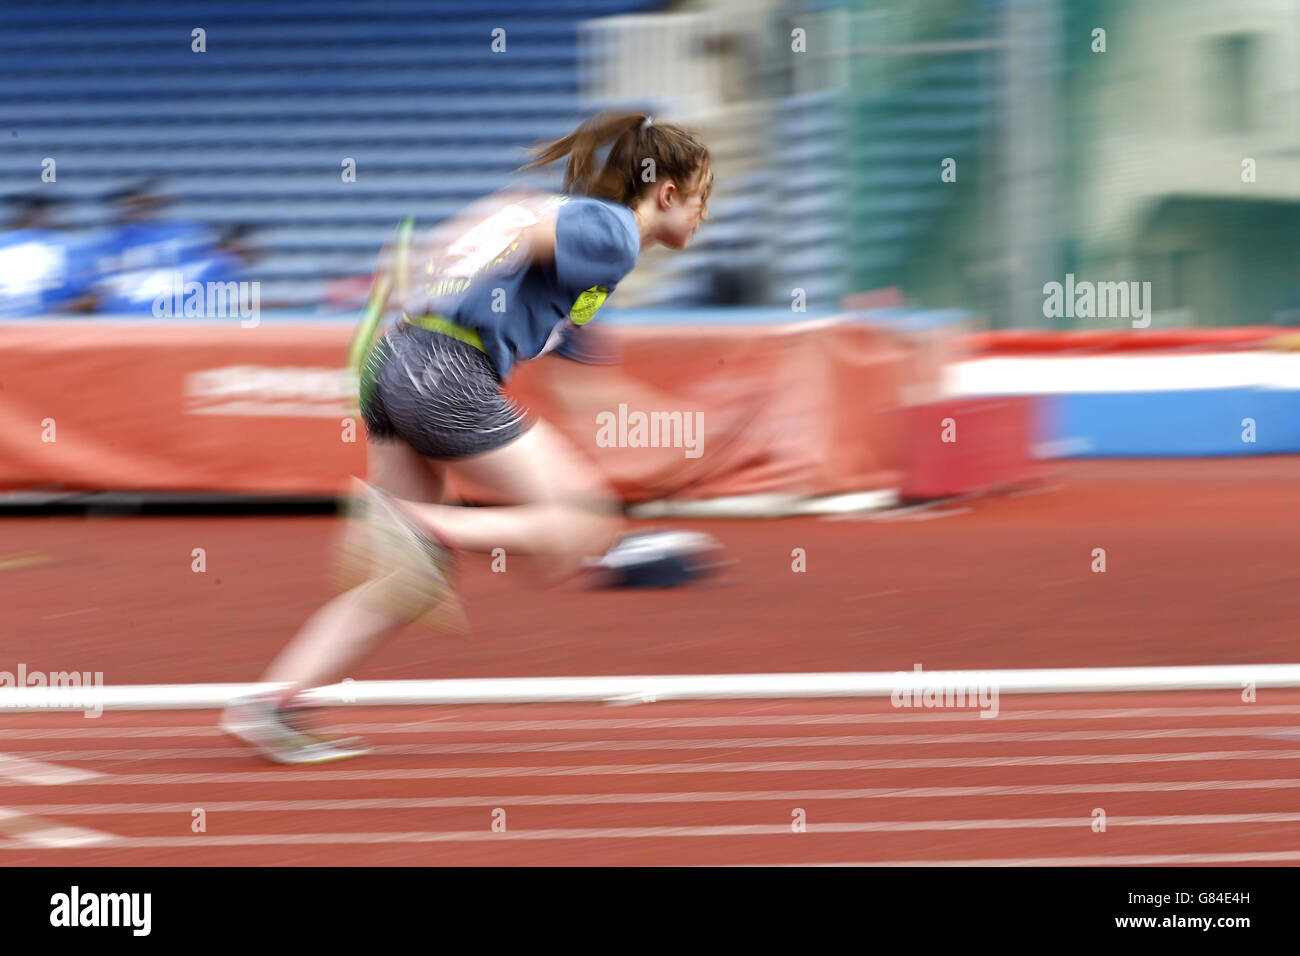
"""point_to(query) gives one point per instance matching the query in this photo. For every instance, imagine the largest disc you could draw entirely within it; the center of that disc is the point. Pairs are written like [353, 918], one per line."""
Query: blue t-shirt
[139, 261]
[521, 309]
[137, 292]
[148, 245]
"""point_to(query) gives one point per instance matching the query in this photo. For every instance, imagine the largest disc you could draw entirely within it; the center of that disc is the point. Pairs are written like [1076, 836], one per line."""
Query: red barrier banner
[154, 407]
[970, 446]
[1109, 341]
[691, 413]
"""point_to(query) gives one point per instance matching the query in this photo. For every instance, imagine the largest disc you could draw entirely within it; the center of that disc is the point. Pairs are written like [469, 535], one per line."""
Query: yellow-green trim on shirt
[436, 323]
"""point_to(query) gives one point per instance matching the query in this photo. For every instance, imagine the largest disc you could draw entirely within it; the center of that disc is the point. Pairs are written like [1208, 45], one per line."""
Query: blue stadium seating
[254, 130]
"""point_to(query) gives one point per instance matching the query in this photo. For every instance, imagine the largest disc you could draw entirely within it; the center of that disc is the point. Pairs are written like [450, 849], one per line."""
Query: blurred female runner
[521, 281]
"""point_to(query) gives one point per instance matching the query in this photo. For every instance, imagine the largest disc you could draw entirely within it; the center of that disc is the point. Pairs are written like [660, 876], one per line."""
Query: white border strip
[632, 690]
[1057, 374]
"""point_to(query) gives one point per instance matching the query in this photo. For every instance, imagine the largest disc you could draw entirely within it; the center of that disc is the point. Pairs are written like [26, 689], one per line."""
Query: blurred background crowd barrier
[927, 168]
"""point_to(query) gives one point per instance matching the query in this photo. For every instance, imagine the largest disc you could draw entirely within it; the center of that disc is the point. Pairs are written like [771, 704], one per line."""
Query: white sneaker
[283, 736]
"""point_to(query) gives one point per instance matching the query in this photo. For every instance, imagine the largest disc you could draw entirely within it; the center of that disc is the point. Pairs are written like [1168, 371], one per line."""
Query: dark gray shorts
[439, 395]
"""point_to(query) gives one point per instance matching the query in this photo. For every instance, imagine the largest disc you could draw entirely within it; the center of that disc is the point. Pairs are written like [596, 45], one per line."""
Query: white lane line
[298, 775]
[450, 724]
[680, 687]
[702, 796]
[688, 743]
[27, 831]
[1082, 823]
[898, 715]
[22, 770]
[24, 831]
[708, 687]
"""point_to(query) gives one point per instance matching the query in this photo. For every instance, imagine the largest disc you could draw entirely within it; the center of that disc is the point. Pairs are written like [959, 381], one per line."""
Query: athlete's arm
[595, 247]
[540, 239]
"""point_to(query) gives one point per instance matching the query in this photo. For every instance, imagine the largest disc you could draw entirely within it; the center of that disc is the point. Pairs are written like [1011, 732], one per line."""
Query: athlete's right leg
[355, 624]
[561, 507]
[346, 630]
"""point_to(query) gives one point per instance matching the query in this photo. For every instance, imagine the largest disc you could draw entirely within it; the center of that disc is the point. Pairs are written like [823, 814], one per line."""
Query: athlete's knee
[405, 595]
[604, 533]
[567, 535]
[589, 526]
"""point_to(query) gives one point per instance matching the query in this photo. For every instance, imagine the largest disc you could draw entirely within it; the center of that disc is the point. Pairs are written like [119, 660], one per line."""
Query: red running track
[1181, 778]
[1201, 568]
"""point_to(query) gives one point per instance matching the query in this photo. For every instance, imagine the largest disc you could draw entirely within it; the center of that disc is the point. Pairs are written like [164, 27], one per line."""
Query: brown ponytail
[677, 153]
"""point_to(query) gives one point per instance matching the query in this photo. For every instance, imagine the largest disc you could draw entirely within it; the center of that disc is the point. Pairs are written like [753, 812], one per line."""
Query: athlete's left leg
[353, 626]
[347, 629]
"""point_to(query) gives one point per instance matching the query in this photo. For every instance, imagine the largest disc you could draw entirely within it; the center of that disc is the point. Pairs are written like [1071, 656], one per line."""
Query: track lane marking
[1082, 823]
[24, 770]
[297, 775]
[703, 796]
[449, 724]
[696, 743]
[26, 831]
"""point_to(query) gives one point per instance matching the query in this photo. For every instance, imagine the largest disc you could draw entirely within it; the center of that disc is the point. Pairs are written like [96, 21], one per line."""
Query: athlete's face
[684, 213]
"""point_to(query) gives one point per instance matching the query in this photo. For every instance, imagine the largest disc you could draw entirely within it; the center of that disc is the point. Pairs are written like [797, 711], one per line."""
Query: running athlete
[523, 280]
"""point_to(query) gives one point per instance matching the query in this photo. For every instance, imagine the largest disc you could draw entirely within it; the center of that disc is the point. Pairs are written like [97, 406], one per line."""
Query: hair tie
[649, 121]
